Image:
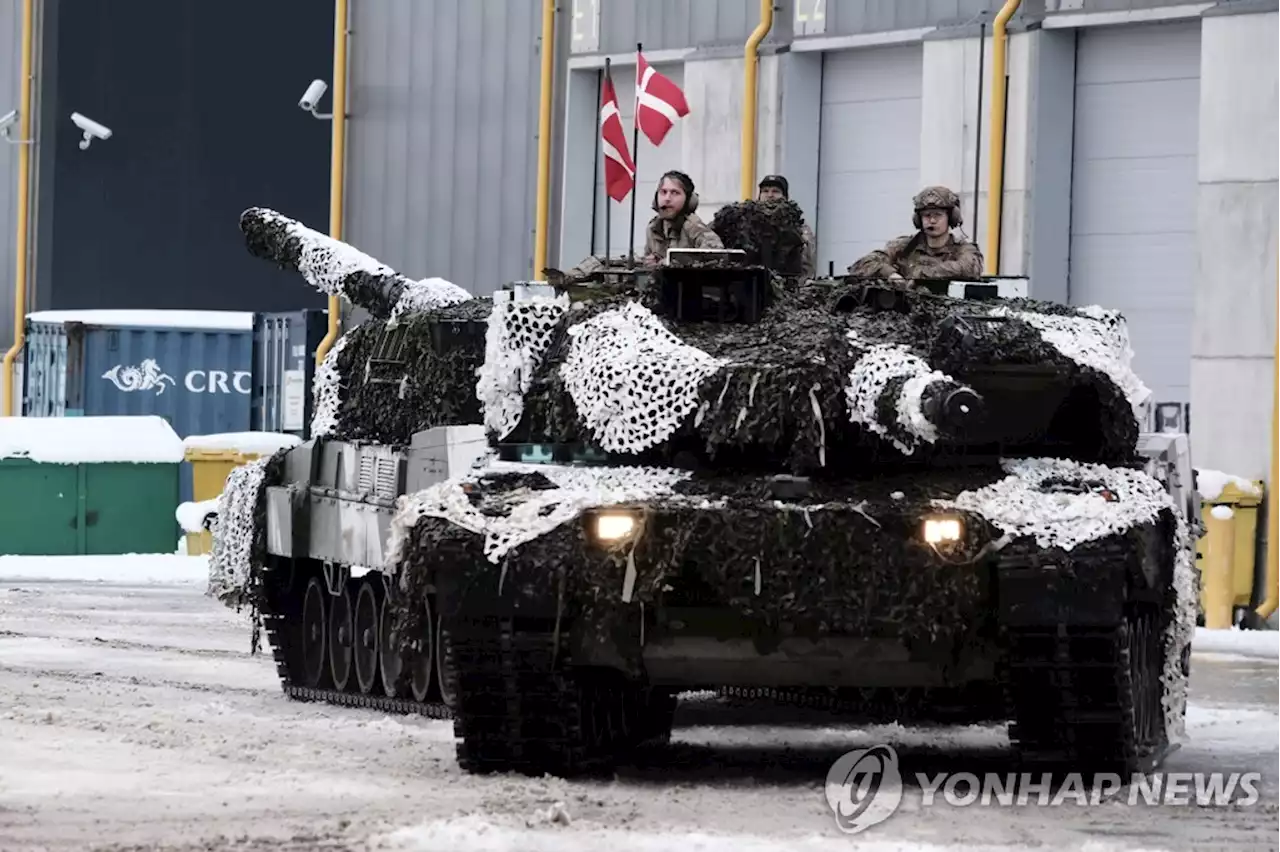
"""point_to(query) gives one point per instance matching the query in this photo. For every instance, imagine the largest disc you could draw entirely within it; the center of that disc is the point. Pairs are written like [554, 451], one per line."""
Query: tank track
[276, 626]
[521, 707]
[1089, 699]
[979, 703]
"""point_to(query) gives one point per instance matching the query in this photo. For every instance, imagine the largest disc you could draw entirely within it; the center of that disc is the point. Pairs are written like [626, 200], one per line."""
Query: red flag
[619, 169]
[659, 102]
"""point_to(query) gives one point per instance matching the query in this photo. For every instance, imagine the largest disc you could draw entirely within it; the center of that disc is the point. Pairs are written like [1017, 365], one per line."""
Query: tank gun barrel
[336, 268]
[951, 407]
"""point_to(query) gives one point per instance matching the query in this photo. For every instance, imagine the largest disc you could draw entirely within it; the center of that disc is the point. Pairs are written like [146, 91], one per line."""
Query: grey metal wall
[442, 141]
[10, 57]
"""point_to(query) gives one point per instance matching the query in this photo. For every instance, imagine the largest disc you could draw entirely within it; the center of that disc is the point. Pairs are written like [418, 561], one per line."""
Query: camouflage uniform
[912, 257]
[809, 260]
[682, 232]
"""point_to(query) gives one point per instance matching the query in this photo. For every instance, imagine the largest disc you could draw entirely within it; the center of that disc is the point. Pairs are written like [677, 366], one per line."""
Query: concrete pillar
[1234, 327]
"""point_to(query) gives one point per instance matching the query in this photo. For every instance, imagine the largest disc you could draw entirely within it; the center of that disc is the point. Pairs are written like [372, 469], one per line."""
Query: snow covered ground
[132, 717]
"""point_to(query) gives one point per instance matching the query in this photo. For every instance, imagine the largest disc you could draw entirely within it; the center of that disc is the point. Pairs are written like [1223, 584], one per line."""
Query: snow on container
[193, 368]
[88, 485]
[212, 458]
[284, 365]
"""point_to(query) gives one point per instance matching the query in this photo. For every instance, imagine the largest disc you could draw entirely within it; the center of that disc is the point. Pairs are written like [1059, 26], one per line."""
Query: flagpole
[595, 169]
[635, 153]
[608, 208]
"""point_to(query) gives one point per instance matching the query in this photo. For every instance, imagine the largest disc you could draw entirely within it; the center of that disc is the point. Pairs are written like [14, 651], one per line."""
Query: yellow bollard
[1217, 594]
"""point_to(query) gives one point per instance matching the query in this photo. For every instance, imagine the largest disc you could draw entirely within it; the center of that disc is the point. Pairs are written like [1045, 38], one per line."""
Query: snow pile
[190, 516]
[1099, 340]
[125, 568]
[1030, 502]
[870, 376]
[1261, 644]
[235, 536]
[425, 295]
[327, 391]
[90, 440]
[632, 380]
[1211, 483]
[219, 320]
[257, 443]
[511, 518]
[517, 337]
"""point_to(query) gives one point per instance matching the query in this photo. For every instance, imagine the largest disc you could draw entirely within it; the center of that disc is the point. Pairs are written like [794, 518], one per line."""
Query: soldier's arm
[881, 263]
[809, 258]
[703, 237]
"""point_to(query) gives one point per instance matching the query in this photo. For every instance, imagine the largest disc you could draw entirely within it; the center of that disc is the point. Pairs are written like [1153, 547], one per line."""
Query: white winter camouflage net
[233, 533]
[425, 295]
[1099, 340]
[872, 372]
[327, 391]
[1019, 505]
[530, 513]
[632, 381]
[517, 337]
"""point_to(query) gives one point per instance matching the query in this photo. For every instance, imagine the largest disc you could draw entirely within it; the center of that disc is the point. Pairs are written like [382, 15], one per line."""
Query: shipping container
[284, 369]
[193, 368]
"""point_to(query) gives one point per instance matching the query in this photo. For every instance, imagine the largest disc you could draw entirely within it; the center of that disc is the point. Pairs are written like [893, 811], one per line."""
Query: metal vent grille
[387, 470]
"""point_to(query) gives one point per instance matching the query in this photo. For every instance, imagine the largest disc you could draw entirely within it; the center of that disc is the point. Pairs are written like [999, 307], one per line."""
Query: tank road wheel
[447, 686]
[340, 638]
[390, 661]
[365, 646]
[423, 662]
[314, 635]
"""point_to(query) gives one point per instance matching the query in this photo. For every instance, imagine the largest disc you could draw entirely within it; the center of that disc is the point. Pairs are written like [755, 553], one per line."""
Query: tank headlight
[943, 529]
[613, 526]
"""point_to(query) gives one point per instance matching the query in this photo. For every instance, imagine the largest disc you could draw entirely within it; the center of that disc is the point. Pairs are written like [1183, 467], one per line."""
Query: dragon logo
[864, 788]
[144, 377]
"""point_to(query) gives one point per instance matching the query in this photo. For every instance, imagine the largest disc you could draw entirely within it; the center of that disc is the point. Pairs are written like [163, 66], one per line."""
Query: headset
[690, 194]
[954, 218]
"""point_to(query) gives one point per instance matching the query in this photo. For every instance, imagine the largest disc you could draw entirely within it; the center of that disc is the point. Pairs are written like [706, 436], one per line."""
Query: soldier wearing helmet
[932, 251]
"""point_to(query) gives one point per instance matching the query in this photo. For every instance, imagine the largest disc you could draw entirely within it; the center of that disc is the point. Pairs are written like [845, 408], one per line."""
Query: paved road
[132, 717]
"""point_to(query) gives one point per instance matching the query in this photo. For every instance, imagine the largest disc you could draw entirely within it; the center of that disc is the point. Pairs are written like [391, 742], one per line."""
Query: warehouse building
[1140, 168]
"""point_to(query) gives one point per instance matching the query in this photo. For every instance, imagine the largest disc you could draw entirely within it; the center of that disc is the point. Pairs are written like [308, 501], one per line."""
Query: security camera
[8, 120]
[312, 96]
[92, 129]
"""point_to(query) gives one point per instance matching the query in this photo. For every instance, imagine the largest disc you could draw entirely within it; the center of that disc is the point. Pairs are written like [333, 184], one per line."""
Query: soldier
[933, 251]
[776, 187]
[676, 225]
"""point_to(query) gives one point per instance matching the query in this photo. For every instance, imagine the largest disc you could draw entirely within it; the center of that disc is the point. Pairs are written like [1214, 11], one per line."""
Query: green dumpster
[88, 485]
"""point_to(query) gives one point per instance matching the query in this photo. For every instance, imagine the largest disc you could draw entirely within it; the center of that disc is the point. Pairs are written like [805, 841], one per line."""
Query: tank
[549, 512]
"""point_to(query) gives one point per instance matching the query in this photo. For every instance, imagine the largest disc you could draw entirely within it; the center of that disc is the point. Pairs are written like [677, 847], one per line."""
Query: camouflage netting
[239, 533]
[771, 233]
[820, 383]
[337, 269]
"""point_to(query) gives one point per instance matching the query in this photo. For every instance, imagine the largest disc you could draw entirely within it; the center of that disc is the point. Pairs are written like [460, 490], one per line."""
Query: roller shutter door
[869, 155]
[1134, 185]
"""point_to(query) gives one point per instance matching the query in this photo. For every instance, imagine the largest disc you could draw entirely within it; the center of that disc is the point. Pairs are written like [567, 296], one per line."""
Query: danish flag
[619, 169]
[659, 102]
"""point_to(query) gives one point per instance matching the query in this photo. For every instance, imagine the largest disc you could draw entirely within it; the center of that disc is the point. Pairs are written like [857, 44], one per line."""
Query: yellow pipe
[1271, 583]
[337, 162]
[544, 138]
[20, 244]
[995, 193]
[749, 105]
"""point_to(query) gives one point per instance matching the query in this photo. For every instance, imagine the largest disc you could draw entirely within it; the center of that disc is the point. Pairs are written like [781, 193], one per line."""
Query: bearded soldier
[932, 251]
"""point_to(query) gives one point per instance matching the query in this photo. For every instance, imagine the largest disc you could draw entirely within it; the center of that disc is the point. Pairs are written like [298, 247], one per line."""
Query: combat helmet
[937, 198]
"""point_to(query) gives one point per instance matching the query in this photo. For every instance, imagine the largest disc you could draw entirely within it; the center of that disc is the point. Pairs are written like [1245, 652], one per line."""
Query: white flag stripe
[612, 153]
[609, 111]
[653, 102]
